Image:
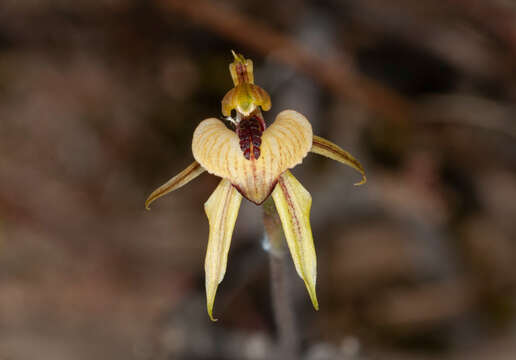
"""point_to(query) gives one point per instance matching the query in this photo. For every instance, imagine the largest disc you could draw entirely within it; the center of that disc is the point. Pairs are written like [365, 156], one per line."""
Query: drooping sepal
[293, 204]
[222, 210]
[326, 148]
[284, 144]
[181, 179]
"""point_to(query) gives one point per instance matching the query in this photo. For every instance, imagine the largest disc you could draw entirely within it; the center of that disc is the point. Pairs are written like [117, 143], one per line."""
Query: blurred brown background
[98, 103]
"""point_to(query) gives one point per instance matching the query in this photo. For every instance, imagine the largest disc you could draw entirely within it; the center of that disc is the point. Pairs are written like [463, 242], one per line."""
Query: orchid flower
[254, 161]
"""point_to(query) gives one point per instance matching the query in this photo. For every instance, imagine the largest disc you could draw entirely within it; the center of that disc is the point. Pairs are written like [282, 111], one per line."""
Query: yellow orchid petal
[222, 210]
[284, 145]
[326, 148]
[245, 98]
[293, 203]
[183, 178]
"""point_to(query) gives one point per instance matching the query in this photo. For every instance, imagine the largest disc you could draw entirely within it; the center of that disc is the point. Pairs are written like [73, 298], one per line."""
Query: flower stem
[288, 339]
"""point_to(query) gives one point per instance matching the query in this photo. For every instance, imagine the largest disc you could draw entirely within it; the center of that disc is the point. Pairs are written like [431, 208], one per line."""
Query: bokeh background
[98, 103]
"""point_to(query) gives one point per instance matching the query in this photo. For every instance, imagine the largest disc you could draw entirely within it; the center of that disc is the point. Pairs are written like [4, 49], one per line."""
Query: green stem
[288, 339]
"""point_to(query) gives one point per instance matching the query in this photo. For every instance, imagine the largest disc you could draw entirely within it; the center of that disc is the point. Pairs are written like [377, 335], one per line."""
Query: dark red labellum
[249, 131]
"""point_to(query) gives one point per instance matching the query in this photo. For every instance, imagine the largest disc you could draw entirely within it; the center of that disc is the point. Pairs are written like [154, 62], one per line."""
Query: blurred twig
[497, 20]
[333, 73]
[468, 111]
